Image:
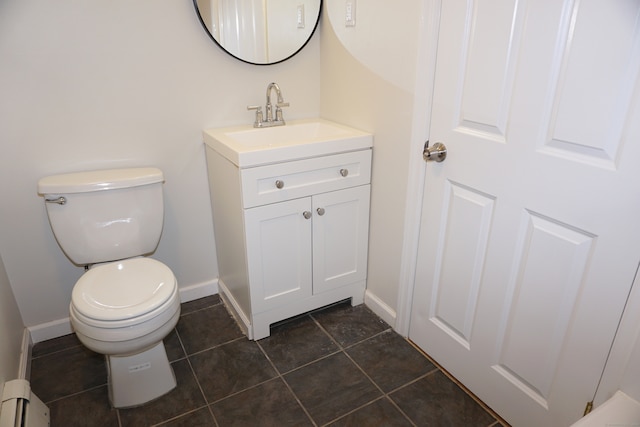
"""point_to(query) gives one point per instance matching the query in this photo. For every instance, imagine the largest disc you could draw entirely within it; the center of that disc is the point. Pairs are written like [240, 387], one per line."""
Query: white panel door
[529, 235]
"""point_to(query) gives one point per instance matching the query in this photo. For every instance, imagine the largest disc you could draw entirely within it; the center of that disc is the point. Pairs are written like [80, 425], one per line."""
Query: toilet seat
[122, 338]
[123, 293]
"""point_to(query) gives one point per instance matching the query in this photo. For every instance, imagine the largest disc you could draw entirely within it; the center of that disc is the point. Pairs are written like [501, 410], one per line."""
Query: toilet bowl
[123, 310]
[125, 303]
[620, 411]
[120, 307]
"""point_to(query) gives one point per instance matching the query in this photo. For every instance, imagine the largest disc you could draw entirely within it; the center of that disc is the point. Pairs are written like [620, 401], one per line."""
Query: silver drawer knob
[344, 172]
[306, 214]
[320, 211]
[279, 184]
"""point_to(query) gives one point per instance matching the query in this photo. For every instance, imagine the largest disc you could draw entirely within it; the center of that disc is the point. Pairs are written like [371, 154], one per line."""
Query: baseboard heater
[21, 408]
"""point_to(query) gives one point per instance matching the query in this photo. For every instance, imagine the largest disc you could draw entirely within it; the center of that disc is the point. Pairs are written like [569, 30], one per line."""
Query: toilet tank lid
[107, 179]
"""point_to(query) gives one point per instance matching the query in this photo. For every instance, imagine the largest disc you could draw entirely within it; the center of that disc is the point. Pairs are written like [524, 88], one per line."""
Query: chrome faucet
[260, 121]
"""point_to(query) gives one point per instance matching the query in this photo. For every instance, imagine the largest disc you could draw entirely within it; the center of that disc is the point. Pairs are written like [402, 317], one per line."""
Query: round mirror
[260, 32]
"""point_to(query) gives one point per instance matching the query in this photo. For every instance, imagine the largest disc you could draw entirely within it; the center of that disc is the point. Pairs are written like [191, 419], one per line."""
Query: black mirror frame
[195, 5]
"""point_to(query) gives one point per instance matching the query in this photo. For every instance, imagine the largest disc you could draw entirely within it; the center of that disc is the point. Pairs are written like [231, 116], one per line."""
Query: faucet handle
[259, 120]
[279, 105]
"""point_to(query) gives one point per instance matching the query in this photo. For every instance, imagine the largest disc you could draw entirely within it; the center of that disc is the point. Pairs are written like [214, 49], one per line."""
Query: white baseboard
[61, 327]
[380, 308]
[234, 308]
[49, 330]
[199, 290]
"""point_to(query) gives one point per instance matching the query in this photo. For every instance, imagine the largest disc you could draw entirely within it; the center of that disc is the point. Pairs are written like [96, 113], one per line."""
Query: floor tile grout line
[235, 393]
[184, 350]
[193, 372]
[56, 352]
[415, 380]
[345, 347]
[326, 356]
[304, 408]
[276, 370]
[200, 309]
[395, 404]
[213, 347]
[179, 416]
[76, 393]
[213, 416]
[468, 392]
[286, 383]
[343, 350]
[322, 328]
[384, 394]
[386, 331]
[244, 389]
[354, 411]
[437, 368]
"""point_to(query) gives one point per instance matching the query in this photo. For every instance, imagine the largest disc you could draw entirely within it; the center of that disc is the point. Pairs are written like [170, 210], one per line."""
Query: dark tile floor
[340, 366]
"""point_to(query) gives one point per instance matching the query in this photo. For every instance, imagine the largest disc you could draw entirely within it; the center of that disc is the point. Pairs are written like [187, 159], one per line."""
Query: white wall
[88, 84]
[106, 84]
[369, 81]
[11, 331]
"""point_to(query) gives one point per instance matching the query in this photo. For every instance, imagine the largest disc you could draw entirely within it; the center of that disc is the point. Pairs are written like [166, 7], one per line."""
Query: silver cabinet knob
[320, 211]
[306, 214]
[279, 184]
[344, 172]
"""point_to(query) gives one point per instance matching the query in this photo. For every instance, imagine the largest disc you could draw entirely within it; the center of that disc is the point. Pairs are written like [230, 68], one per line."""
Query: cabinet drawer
[283, 181]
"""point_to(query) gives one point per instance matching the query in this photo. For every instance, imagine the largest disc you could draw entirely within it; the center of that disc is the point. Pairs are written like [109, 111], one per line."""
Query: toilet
[125, 303]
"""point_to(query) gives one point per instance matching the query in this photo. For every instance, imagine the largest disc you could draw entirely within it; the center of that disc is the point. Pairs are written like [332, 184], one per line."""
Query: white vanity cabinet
[290, 236]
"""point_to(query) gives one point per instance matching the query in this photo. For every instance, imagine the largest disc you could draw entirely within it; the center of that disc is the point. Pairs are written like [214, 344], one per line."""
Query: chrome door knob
[436, 153]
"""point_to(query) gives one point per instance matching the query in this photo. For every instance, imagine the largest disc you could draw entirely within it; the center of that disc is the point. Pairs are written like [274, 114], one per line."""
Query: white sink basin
[247, 146]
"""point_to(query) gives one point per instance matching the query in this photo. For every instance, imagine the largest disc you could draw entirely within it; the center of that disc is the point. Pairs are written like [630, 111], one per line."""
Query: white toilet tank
[105, 215]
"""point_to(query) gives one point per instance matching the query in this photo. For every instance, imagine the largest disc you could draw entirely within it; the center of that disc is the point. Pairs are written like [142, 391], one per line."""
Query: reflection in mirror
[260, 31]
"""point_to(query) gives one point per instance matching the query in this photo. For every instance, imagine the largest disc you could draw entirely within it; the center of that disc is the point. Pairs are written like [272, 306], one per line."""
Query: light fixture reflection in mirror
[260, 32]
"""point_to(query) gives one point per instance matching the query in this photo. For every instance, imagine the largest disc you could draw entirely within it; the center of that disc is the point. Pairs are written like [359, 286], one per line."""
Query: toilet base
[139, 378]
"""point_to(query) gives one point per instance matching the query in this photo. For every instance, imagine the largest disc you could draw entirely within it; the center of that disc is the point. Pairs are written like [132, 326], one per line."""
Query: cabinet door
[278, 253]
[340, 235]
